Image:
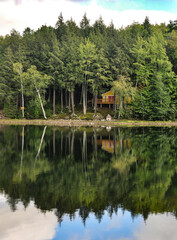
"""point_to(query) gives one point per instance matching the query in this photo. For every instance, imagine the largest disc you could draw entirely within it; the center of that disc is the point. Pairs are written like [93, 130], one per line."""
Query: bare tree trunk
[41, 103]
[66, 98]
[84, 90]
[84, 99]
[17, 102]
[54, 99]
[86, 95]
[95, 104]
[72, 102]
[61, 100]
[115, 106]
[23, 115]
[69, 102]
[120, 107]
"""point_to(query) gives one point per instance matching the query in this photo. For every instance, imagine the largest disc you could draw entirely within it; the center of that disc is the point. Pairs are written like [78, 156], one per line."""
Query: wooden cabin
[108, 98]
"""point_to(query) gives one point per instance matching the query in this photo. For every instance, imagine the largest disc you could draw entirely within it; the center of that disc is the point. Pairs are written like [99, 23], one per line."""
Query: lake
[88, 183]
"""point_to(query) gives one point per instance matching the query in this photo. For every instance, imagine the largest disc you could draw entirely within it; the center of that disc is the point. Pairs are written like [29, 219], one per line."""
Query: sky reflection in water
[31, 223]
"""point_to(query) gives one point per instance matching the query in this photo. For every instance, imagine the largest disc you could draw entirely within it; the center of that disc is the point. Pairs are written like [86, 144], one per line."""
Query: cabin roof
[112, 93]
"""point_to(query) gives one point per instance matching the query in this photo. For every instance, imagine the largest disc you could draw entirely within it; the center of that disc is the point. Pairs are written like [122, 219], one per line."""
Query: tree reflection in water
[90, 170]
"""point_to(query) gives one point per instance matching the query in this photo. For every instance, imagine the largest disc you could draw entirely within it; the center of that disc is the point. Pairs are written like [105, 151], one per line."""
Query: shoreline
[89, 123]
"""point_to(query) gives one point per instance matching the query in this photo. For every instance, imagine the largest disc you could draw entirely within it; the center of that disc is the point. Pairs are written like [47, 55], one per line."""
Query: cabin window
[111, 98]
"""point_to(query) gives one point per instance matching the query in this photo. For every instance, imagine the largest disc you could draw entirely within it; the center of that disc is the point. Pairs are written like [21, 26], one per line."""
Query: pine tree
[87, 55]
[18, 69]
[155, 76]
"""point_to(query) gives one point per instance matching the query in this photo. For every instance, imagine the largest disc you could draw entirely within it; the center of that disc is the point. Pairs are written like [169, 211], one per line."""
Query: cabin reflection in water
[112, 146]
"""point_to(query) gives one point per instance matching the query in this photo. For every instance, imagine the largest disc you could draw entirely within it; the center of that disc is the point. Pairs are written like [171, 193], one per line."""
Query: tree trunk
[17, 103]
[41, 103]
[84, 99]
[95, 104]
[66, 98]
[23, 115]
[69, 102]
[86, 96]
[72, 102]
[54, 99]
[115, 106]
[61, 100]
[120, 107]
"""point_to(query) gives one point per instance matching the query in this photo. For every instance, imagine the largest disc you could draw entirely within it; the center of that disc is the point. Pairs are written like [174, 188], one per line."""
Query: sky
[20, 14]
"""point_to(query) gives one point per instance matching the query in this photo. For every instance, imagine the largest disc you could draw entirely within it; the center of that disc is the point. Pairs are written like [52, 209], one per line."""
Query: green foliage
[123, 92]
[74, 64]
[33, 109]
[10, 110]
[154, 77]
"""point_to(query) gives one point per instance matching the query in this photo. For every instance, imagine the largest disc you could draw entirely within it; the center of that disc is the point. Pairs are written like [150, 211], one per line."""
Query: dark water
[85, 183]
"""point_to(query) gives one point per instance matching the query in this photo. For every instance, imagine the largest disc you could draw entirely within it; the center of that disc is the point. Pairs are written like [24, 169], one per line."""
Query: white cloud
[35, 13]
[158, 227]
[26, 224]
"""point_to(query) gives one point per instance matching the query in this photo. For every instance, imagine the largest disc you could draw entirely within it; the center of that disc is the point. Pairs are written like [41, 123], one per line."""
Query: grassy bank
[126, 123]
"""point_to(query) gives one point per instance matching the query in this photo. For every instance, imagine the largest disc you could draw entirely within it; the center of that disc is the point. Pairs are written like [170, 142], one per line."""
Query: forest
[59, 70]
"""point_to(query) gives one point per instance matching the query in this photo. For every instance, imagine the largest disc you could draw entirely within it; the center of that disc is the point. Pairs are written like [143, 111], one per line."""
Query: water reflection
[27, 223]
[90, 174]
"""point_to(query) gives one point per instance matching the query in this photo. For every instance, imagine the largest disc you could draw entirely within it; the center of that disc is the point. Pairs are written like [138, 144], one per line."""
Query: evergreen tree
[147, 28]
[87, 51]
[100, 75]
[18, 69]
[8, 86]
[154, 73]
[55, 69]
[85, 26]
[60, 27]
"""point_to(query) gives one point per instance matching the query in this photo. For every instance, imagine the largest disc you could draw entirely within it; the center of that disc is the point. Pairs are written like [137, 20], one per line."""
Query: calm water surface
[86, 183]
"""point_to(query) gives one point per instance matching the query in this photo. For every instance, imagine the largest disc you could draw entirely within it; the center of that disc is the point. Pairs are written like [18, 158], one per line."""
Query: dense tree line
[52, 70]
